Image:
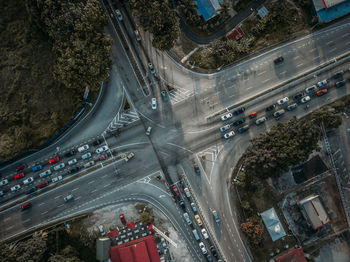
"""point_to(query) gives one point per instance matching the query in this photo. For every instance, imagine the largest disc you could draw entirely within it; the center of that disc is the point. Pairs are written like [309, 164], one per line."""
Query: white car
[202, 247]
[227, 116]
[322, 83]
[137, 34]
[72, 162]
[224, 128]
[151, 68]
[15, 188]
[154, 103]
[305, 99]
[102, 230]
[1, 193]
[229, 134]
[260, 120]
[119, 15]
[68, 198]
[4, 182]
[56, 179]
[101, 149]
[283, 101]
[83, 148]
[58, 167]
[46, 173]
[86, 156]
[310, 89]
[29, 180]
[204, 233]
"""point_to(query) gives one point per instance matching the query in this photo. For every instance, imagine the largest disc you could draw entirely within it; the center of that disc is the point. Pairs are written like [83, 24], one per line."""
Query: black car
[239, 122]
[182, 205]
[278, 60]
[213, 251]
[298, 96]
[70, 153]
[32, 190]
[239, 111]
[338, 76]
[196, 169]
[97, 142]
[340, 83]
[243, 129]
[270, 108]
[74, 170]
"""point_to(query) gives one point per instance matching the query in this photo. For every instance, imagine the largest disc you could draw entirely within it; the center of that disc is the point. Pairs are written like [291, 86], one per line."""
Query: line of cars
[319, 89]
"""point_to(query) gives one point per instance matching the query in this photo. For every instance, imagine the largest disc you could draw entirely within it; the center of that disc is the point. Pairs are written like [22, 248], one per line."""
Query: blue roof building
[328, 10]
[273, 224]
[207, 8]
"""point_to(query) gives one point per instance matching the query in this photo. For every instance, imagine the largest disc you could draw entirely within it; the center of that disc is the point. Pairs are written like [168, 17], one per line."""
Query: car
[28, 181]
[270, 108]
[298, 96]
[196, 169]
[338, 76]
[164, 96]
[283, 101]
[21, 167]
[97, 142]
[195, 234]
[203, 249]
[239, 111]
[340, 83]
[101, 149]
[194, 208]
[43, 184]
[68, 198]
[4, 182]
[278, 60]
[72, 161]
[83, 148]
[148, 131]
[239, 122]
[46, 173]
[224, 128]
[69, 153]
[213, 251]
[204, 233]
[187, 192]
[216, 217]
[278, 113]
[58, 167]
[119, 15]
[151, 68]
[182, 205]
[260, 120]
[129, 156]
[15, 188]
[187, 218]
[103, 157]
[209, 258]
[74, 170]
[1, 193]
[229, 134]
[226, 117]
[198, 219]
[305, 99]
[90, 163]
[26, 206]
[56, 179]
[37, 168]
[102, 230]
[292, 107]
[122, 219]
[137, 35]
[31, 190]
[310, 89]
[54, 160]
[243, 129]
[86, 156]
[18, 176]
[253, 115]
[176, 190]
[322, 92]
[154, 103]
[322, 83]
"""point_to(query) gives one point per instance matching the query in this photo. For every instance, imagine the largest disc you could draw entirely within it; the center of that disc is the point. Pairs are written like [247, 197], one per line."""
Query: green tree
[254, 230]
[146, 218]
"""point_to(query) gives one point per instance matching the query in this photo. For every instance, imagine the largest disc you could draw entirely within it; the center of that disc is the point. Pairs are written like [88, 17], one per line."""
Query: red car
[43, 184]
[54, 160]
[176, 190]
[21, 167]
[252, 115]
[103, 157]
[122, 219]
[18, 176]
[26, 206]
[322, 92]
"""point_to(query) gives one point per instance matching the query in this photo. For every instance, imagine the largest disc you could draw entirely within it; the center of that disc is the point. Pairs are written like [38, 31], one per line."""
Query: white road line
[104, 175]
[57, 196]
[60, 206]
[91, 182]
[27, 220]
[281, 73]
[330, 42]
[77, 197]
[299, 65]
[75, 188]
[296, 57]
[93, 191]
[106, 185]
[266, 80]
[41, 204]
[317, 57]
[10, 227]
[348, 43]
[332, 50]
[43, 213]
[8, 218]
[249, 87]
[345, 35]
[261, 73]
[312, 50]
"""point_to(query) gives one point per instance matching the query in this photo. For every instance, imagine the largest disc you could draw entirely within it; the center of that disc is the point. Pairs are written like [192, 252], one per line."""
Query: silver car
[58, 167]
[224, 128]
[86, 156]
[260, 120]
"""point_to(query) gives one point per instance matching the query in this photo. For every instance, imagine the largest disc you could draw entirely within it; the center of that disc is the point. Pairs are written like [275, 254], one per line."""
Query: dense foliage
[156, 17]
[254, 229]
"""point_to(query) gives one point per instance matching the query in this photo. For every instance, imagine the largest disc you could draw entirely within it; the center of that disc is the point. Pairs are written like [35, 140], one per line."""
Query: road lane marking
[317, 57]
[57, 196]
[60, 206]
[8, 218]
[104, 175]
[330, 42]
[91, 182]
[27, 220]
[332, 50]
[10, 227]
[106, 185]
[265, 81]
[299, 65]
[43, 213]
[348, 43]
[281, 73]
[77, 197]
[296, 57]
[249, 87]
[261, 73]
[345, 35]
[312, 50]
[41, 204]
[75, 188]
[93, 191]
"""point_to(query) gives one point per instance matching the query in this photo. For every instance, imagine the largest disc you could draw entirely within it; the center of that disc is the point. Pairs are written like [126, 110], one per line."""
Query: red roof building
[296, 255]
[138, 250]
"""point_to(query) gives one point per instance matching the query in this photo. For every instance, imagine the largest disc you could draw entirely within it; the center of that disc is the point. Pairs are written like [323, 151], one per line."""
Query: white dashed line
[299, 65]
[41, 204]
[57, 196]
[93, 191]
[91, 182]
[27, 220]
[332, 50]
[249, 87]
[106, 185]
[8, 218]
[265, 81]
[282, 73]
[60, 206]
[43, 213]
[317, 57]
[330, 42]
[296, 57]
[347, 43]
[77, 197]
[313, 50]
[75, 189]
[10, 227]
[104, 175]
[261, 73]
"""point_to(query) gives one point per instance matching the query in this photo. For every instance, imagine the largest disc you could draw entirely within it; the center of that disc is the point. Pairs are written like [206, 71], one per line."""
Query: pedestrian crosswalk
[179, 94]
[123, 119]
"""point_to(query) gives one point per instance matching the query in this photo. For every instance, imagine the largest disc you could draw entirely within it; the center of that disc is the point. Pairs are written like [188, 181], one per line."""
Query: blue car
[37, 168]
[164, 96]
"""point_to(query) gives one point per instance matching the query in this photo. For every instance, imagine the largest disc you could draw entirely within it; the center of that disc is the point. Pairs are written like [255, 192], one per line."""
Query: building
[235, 34]
[103, 245]
[208, 8]
[273, 224]
[296, 255]
[138, 250]
[328, 10]
[314, 211]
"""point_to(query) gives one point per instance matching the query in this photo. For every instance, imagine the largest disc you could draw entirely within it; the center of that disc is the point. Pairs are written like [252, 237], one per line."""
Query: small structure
[273, 224]
[314, 212]
[295, 255]
[235, 34]
[208, 8]
[262, 11]
[328, 10]
[103, 245]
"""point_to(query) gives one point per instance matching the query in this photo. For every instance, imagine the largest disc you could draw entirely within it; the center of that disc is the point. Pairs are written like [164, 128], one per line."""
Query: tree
[146, 218]
[254, 230]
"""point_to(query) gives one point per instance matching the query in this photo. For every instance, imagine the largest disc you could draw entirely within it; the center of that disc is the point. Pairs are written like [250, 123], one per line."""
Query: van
[187, 218]
[187, 192]
[148, 131]
[88, 164]
[196, 236]
[46, 173]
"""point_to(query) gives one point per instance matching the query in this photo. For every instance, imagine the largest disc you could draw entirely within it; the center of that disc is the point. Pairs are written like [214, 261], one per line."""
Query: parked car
[148, 131]
[46, 173]
[31, 190]
[4, 182]
[226, 117]
[243, 129]
[198, 219]
[119, 15]
[129, 156]
[43, 184]
[270, 108]
[216, 217]
[176, 191]
[229, 134]
[54, 160]
[260, 120]
[187, 218]
[283, 101]
[21, 167]
[322, 83]
[28, 181]
[18, 176]
[196, 169]
[58, 167]
[86, 156]
[278, 60]
[213, 251]
[204, 233]
[88, 164]
[194, 208]
[151, 68]
[1, 193]
[83, 148]
[322, 92]
[195, 234]
[15, 188]
[56, 179]
[239, 122]
[292, 107]
[122, 219]
[97, 142]
[102, 230]
[298, 96]
[224, 128]
[310, 89]
[154, 103]
[74, 170]
[340, 83]
[69, 153]
[278, 113]
[338, 76]
[253, 115]
[26, 206]
[68, 198]
[72, 161]
[305, 99]
[137, 35]
[103, 157]
[182, 205]
[239, 111]
[101, 149]
[187, 193]
[209, 258]
[37, 168]
[164, 96]
[203, 249]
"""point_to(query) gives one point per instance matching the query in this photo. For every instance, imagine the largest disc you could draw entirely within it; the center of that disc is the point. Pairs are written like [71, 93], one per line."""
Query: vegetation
[157, 18]
[254, 229]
